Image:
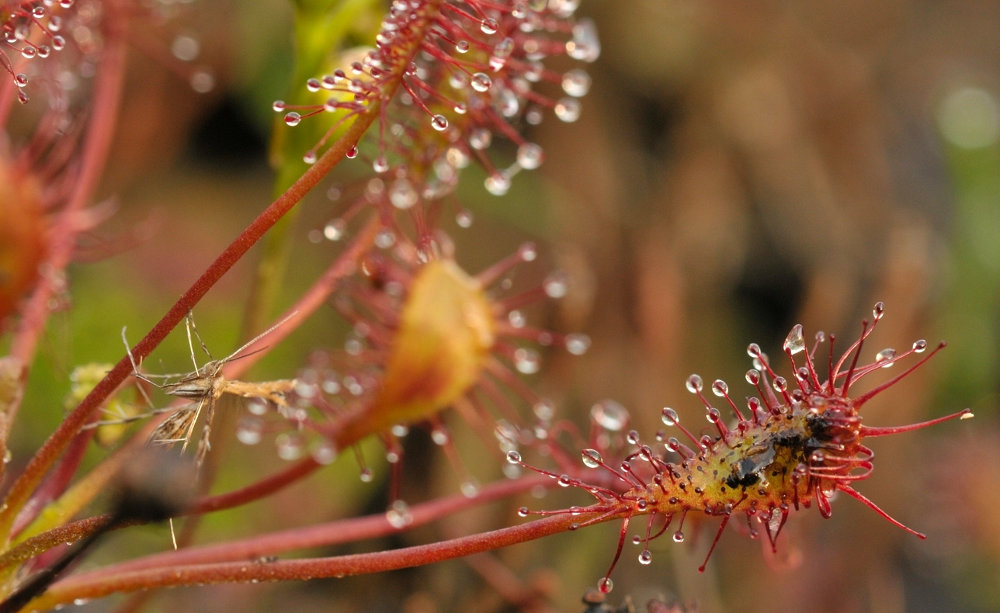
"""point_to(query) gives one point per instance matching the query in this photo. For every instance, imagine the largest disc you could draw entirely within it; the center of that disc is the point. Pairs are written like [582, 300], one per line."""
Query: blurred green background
[739, 167]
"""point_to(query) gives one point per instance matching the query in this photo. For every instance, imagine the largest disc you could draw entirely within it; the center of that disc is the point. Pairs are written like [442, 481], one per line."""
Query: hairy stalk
[56, 482]
[90, 586]
[66, 533]
[331, 533]
[77, 496]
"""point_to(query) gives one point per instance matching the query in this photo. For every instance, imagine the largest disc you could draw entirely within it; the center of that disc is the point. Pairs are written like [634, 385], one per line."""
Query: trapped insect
[203, 387]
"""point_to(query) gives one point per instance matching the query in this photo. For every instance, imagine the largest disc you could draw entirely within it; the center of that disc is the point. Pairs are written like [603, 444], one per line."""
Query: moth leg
[204, 444]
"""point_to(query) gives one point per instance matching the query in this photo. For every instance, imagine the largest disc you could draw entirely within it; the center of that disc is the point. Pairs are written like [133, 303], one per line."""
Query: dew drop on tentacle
[440, 436]
[256, 406]
[577, 344]
[202, 81]
[480, 138]
[610, 415]
[501, 53]
[470, 488]
[556, 285]
[385, 238]
[402, 194]
[398, 515]
[497, 184]
[464, 218]
[567, 109]
[694, 384]
[439, 122]
[591, 458]
[324, 453]
[529, 156]
[585, 45]
[526, 361]
[669, 417]
[289, 445]
[886, 355]
[249, 430]
[489, 26]
[576, 83]
[481, 82]
[794, 342]
[527, 252]
[335, 229]
[606, 585]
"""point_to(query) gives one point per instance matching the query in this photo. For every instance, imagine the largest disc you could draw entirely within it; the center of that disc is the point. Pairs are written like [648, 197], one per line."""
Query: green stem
[318, 29]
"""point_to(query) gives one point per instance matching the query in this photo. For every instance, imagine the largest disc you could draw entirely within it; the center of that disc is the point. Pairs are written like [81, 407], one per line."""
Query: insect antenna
[189, 326]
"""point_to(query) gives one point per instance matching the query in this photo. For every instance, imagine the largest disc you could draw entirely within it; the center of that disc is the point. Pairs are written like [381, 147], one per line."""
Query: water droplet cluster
[467, 70]
[31, 30]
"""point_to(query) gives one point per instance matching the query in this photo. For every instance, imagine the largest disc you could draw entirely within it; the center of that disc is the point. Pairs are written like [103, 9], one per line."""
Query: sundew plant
[366, 305]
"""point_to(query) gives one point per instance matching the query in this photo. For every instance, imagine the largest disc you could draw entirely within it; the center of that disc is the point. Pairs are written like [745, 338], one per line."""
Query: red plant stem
[57, 442]
[66, 533]
[342, 438]
[55, 484]
[331, 533]
[258, 490]
[98, 584]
